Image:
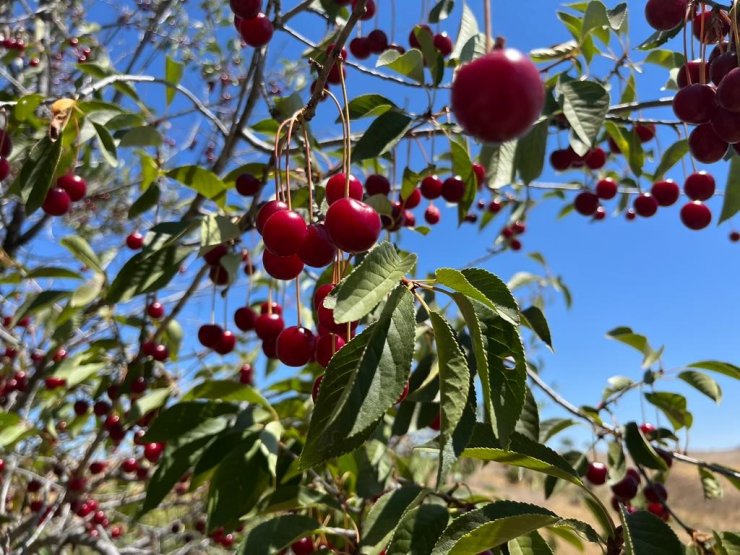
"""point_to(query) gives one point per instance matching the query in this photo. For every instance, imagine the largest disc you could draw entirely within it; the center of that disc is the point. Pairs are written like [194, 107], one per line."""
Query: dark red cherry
[81, 407]
[727, 125]
[560, 159]
[360, 48]
[665, 15]
[377, 185]
[135, 241]
[606, 188]
[699, 186]
[214, 255]
[431, 187]
[645, 205]
[6, 144]
[443, 43]
[666, 192]
[256, 31]
[101, 408]
[267, 210]
[155, 310]
[209, 335]
[336, 185]
[498, 97]
[246, 374]
[369, 9]
[696, 215]
[377, 41]
[246, 8]
[418, 30]
[695, 103]
[130, 465]
[316, 386]
[219, 275]
[4, 169]
[284, 233]
[321, 293]
[480, 173]
[432, 215]
[597, 473]
[282, 267]
[269, 348]
[413, 200]
[659, 510]
[453, 189]
[248, 185]
[268, 326]
[332, 47]
[646, 131]
[586, 203]
[728, 95]
[160, 353]
[245, 318]
[335, 75]
[271, 308]
[409, 220]
[626, 488]
[152, 451]
[353, 226]
[709, 28]
[295, 346]
[326, 347]
[719, 68]
[139, 385]
[317, 250]
[596, 158]
[690, 72]
[57, 202]
[75, 186]
[226, 343]
[655, 493]
[705, 144]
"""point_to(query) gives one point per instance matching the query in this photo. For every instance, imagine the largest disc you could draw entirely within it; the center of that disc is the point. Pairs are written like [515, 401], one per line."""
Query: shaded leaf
[276, 533]
[703, 383]
[640, 449]
[382, 134]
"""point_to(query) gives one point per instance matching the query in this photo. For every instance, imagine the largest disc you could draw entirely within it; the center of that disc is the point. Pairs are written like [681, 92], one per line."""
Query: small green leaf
[37, 173]
[535, 320]
[640, 449]
[148, 199]
[665, 58]
[530, 152]
[499, 163]
[673, 406]
[659, 38]
[87, 292]
[382, 135]
[386, 512]
[462, 166]
[144, 135]
[530, 544]
[724, 368]
[468, 30]
[106, 144]
[173, 74]
[731, 204]
[702, 383]
[368, 105]
[671, 156]
[276, 533]
[201, 180]
[585, 104]
[83, 252]
[635, 340]
[646, 534]
[409, 64]
[418, 530]
[484, 287]
[26, 106]
[153, 400]
[711, 486]
[37, 303]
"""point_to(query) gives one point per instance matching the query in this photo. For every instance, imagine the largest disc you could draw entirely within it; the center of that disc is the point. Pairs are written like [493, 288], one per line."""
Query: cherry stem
[489, 25]
[309, 171]
[298, 300]
[347, 131]
[287, 161]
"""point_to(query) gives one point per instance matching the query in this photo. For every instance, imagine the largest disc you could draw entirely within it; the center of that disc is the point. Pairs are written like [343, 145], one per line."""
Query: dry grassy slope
[685, 496]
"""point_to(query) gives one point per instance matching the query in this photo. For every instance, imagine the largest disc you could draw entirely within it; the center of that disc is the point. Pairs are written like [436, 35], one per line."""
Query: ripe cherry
[304, 546]
[720, 67]
[431, 187]
[412, 200]
[268, 326]
[360, 48]
[647, 428]
[432, 215]
[418, 30]
[735, 236]
[606, 188]
[54, 382]
[267, 210]
[219, 275]
[666, 192]
[57, 202]
[646, 131]
[284, 233]
[690, 72]
[75, 186]
[655, 492]
[321, 293]
[336, 185]
[695, 103]
[626, 488]
[377, 41]
[282, 267]
[152, 451]
[135, 241]
[139, 385]
[160, 352]
[377, 185]
[726, 125]
[443, 43]
[596, 158]
[659, 510]
[498, 97]
[295, 346]
[101, 408]
[256, 31]
[6, 144]
[353, 226]
[597, 473]
[269, 348]
[245, 318]
[645, 205]
[708, 28]
[665, 15]
[317, 249]
[270, 307]
[696, 215]
[705, 145]
[4, 169]
[155, 310]
[248, 185]
[560, 159]
[81, 407]
[209, 335]
[453, 189]
[586, 203]
[246, 374]
[97, 467]
[246, 8]
[326, 347]
[214, 255]
[226, 343]
[130, 465]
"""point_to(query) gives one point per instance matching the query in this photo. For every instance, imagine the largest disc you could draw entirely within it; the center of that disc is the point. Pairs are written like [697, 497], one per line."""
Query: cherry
[77, 483]
[248, 185]
[576, 160]
[267, 210]
[6, 144]
[498, 97]
[326, 347]
[404, 394]
[443, 43]
[665, 15]
[317, 250]
[436, 424]
[647, 428]
[138, 386]
[696, 215]
[54, 382]
[135, 241]
[226, 343]
[659, 510]
[75, 186]
[560, 159]
[256, 31]
[735, 236]
[4, 169]
[336, 185]
[432, 215]
[295, 346]
[606, 188]
[655, 493]
[586, 203]
[245, 318]
[116, 532]
[431, 187]
[453, 189]
[596, 158]
[155, 310]
[634, 474]
[101, 408]
[142, 473]
[709, 29]
[646, 131]
[728, 95]
[112, 421]
[152, 451]
[666, 192]
[246, 374]
[645, 205]
[284, 233]
[113, 392]
[369, 9]
[96, 467]
[727, 125]
[321, 293]
[246, 8]
[419, 30]
[282, 267]
[130, 465]
[160, 353]
[269, 348]
[304, 546]
[377, 41]
[597, 473]
[720, 67]
[353, 226]
[695, 103]
[480, 173]
[360, 48]
[690, 73]
[209, 335]
[335, 77]
[57, 202]
[268, 326]
[377, 185]
[626, 488]
[270, 308]
[36, 505]
[412, 200]
[81, 407]
[705, 144]
[33, 486]
[214, 255]
[219, 275]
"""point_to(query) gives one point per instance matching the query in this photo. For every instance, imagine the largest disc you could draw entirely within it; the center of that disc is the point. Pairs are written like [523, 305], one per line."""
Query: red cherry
[219, 275]
[705, 144]
[690, 72]
[6, 144]
[665, 15]
[413, 200]
[432, 215]
[244, 318]
[317, 250]
[116, 532]
[515, 245]
[284, 233]
[53, 382]
[606, 189]
[4, 169]
[269, 348]
[576, 160]
[267, 210]
[256, 31]
[270, 308]
[735, 236]
[436, 424]
[377, 41]
[321, 293]
[596, 473]
[268, 326]
[708, 28]
[421, 29]
[135, 241]
[335, 77]
[369, 9]
[431, 187]
[659, 510]
[33, 486]
[360, 48]
[139, 385]
[316, 387]
[655, 493]
[647, 428]
[96, 467]
[443, 43]
[130, 465]
[480, 173]
[586, 203]
[646, 131]
[353, 226]
[336, 185]
[726, 125]
[696, 215]
[695, 103]
[596, 158]
[404, 394]
[666, 192]
[718, 70]
[498, 97]
[57, 202]
[226, 343]
[295, 346]
[699, 186]
[81, 407]
[77, 483]
[246, 374]
[209, 335]
[453, 189]
[646, 205]
[377, 185]
[248, 185]
[560, 159]
[626, 488]
[246, 8]
[326, 347]
[282, 267]
[75, 186]
[101, 408]
[155, 310]
[152, 451]
[214, 255]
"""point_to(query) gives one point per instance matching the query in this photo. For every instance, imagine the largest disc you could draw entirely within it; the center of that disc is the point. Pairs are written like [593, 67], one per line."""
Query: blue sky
[678, 287]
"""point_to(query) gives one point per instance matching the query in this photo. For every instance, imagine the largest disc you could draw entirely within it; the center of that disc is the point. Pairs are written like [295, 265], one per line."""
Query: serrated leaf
[659, 38]
[618, 17]
[201, 180]
[640, 449]
[376, 276]
[529, 420]
[173, 74]
[557, 52]
[382, 135]
[362, 382]
[553, 426]
[646, 534]
[462, 166]
[673, 406]
[216, 229]
[468, 29]
[530, 152]
[671, 156]
[529, 544]
[499, 163]
[184, 417]
[276, 533]
[145, 272]
[731, 203]
[386, 513]
[724, 368]
[635, 340]
[536, 321]
[703, 384]
[484, 287]
[409, 64]
[419, 530]
[585, 104]
[37, 173]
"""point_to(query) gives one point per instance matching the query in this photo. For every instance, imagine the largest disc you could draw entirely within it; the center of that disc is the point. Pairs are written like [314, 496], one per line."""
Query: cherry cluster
[13, 43]
[6, 148]
[254, 26]
[69, 188]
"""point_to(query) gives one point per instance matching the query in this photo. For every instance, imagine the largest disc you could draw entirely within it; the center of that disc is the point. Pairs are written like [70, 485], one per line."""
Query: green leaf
[558, 52]
[362, 382]
[646, 534]
[37, 303]
[729, 542]
[462, 166]
[731, 204]
[585, 104]
[536, 321]
[640, 342]
[673, 406]
[499, 163]
[490, 526]
[640, 449]
[277, 533]
[144, 135]
[153, 400]
[618, 17]
[369, 105]
[441, 11]
[530, 152]
[629, 144]
[659, 38]
[702, 383]
[201, 180]
[382, 134]
[386, 513]
[671, 156]
[87, 292]
[468, 30]
[710, 484]
[530, 544]
[454, 385]
[148, 199]
[173, 74]
[410, 64]
[145, 272]
[37, 173]
[378, 273]
[529, 420]
[75, 371]
[595, 18]
[228, 391]
[83, 252]
[186, 416]
[26, 106]
[553, 426]
[724, 368]
[52, 272]
[665, 58]
[419, 530]
[484, 287]
[216, 229]
[106, 144]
